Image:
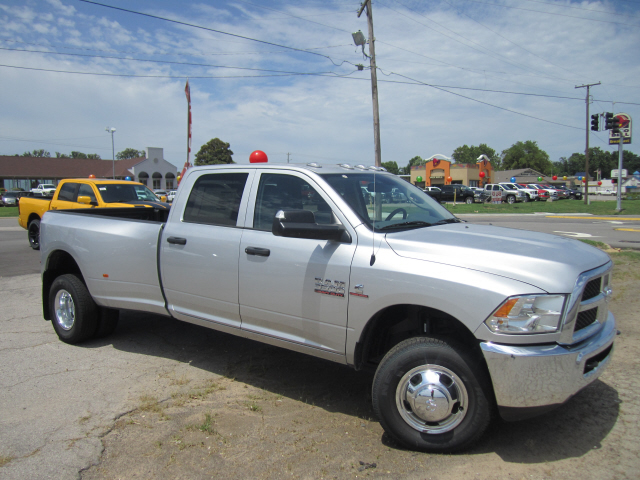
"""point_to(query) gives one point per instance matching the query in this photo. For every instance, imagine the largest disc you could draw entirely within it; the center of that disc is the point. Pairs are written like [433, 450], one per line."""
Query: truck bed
[116, 249]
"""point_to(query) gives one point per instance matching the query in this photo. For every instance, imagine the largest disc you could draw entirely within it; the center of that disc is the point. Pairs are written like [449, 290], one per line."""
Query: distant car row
[508, 192]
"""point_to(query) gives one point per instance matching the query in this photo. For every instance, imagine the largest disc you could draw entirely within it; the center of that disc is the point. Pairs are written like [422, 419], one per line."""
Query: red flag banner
[187, 92]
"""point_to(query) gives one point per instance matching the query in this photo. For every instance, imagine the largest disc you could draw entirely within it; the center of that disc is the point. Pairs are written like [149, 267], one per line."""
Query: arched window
[143, 178]
[170, 180]
[157, 180]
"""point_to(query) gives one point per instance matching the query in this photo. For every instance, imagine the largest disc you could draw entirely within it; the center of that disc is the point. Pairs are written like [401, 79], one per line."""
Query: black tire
[33, 234]
[468, 200]
[459, 398]
[74, 314]
[107, 322]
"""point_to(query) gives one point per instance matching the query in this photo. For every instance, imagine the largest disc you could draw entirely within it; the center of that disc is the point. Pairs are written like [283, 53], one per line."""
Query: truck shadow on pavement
[570, 431]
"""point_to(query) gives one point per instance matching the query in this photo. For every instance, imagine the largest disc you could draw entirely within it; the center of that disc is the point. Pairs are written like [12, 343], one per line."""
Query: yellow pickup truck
[85, 193]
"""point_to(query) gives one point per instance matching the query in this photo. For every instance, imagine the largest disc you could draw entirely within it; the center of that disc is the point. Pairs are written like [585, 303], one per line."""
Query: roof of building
[46, 167]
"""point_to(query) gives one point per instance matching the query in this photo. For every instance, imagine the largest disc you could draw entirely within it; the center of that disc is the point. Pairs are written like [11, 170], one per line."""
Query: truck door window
[86, 191]
[68, 192]
[279, 192]
[215, 199]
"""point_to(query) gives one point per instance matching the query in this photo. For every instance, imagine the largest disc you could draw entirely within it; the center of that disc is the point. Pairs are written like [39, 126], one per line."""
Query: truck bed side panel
[117, 257]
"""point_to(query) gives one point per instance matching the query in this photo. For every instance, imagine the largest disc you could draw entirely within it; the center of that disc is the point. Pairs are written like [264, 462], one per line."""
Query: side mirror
[302, 224]
[86, 200]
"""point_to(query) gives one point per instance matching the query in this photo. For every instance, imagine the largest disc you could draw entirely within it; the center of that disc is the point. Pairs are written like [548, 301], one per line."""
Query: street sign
[624, 122]
[614, 173]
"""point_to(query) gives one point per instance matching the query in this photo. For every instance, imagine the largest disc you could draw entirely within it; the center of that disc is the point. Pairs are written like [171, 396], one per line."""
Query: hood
[546, 261]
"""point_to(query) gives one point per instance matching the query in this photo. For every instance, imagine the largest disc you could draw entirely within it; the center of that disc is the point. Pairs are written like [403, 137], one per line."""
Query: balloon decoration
[599, 183]
[258, 157]
[555, 177]
[539, 179]
[449, 179]
[418, 179]
[128, 179]
[179, 178]
[513, 179]
[481, 174]
[579, 179]
[584, 179]
[92, 176]
[564, 178]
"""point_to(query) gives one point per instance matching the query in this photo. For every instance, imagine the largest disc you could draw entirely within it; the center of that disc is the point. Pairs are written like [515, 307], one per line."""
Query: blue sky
[451, 72]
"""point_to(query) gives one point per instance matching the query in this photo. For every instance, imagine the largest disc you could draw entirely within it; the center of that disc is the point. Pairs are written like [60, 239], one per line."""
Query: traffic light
[608, 121]
[611, 122]
[595, 122]
[614, 180]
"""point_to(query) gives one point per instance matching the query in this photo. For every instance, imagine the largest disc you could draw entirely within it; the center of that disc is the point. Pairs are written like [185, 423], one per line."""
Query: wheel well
[58, 263]
[397, 323]
[32, 217]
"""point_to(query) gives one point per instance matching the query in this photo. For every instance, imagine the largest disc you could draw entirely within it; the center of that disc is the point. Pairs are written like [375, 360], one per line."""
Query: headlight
[527, 314]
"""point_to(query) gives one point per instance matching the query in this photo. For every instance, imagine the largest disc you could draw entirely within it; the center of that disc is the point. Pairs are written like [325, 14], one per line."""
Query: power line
[583, 9]
[211, 30]
[549, 13]
[158, 61]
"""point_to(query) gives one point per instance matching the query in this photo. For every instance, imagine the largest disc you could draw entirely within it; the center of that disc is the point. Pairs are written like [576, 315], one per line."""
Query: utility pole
[288, 157]
[586, 151]
[374, 81]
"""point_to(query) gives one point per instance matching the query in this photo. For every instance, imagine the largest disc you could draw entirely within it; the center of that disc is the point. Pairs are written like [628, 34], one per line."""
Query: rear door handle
[262, 252]
[177, 240]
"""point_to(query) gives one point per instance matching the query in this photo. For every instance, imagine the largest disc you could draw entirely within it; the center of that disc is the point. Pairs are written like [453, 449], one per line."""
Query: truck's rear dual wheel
[430, 395]
[33, 234]
[75, 316]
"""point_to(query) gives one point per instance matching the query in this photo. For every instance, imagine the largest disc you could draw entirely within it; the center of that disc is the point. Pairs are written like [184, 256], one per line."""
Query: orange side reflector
[505, 309]
[105, 275]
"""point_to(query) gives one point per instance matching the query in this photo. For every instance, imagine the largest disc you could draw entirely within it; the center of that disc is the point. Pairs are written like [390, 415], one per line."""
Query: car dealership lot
[163, 399]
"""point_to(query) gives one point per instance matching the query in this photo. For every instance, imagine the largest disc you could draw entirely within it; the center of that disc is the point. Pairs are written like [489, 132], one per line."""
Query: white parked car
[171, 194]
[44, 190]
[607, 191]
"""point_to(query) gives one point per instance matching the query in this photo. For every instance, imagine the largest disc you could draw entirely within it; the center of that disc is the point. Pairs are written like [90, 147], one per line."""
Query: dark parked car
[462, 193]
[433, 192]
[11, 199]
[571, 193]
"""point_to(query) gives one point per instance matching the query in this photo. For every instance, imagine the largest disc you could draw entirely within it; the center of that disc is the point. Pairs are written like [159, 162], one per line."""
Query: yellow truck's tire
[33, 234]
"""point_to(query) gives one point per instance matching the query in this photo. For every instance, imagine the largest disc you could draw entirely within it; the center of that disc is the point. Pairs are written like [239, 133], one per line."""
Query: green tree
[37, 153]
[129, 153]
[391, 167]
[61, 155]
[78, 155]
[469, 155]
[93, 156]
[214, 152]
[526, 155]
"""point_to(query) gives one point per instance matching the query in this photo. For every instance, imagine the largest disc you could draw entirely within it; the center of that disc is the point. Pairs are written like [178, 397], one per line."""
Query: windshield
[388, 201]
[122, 193]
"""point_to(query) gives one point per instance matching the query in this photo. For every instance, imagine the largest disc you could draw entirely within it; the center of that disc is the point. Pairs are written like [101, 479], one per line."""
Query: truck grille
[586, 318]
[588, 306]
[592, 289]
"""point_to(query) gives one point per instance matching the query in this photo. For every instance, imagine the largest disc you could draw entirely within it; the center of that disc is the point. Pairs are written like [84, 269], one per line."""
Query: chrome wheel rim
[65, 309]
[432, 399]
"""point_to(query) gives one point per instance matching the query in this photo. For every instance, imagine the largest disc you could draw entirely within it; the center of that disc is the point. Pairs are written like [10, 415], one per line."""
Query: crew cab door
[294, 289]
[200, 245]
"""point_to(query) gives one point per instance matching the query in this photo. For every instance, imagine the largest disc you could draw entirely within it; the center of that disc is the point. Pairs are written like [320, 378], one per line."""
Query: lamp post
[111, 130]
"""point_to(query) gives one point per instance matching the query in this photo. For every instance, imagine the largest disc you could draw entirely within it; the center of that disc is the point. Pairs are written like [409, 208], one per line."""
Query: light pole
[112, 130]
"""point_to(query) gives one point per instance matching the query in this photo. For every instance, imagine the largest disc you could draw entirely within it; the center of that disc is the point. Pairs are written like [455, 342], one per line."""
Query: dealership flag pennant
[187, 91]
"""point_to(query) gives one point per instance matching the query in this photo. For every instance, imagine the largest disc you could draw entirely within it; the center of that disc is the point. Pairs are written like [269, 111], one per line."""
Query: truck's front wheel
[74, 313]
[430, 395]
[33, 234]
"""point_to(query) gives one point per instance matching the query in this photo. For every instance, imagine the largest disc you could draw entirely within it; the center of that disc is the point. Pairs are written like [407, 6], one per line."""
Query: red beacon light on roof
[92, 176]
[258, 157]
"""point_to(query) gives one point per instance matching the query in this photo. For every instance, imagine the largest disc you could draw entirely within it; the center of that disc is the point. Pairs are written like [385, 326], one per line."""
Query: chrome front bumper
[530, 379]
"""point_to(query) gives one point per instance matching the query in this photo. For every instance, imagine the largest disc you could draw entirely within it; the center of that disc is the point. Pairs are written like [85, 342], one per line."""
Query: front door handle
[262, 252]
[177, 240]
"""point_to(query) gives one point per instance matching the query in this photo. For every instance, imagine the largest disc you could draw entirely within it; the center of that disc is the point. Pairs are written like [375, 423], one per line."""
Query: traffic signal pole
[586, 150]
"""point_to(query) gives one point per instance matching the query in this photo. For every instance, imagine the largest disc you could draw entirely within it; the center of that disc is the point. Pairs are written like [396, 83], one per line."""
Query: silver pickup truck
[456, 319]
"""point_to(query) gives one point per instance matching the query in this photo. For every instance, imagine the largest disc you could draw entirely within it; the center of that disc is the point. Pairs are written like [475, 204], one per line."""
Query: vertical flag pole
[187, 165]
